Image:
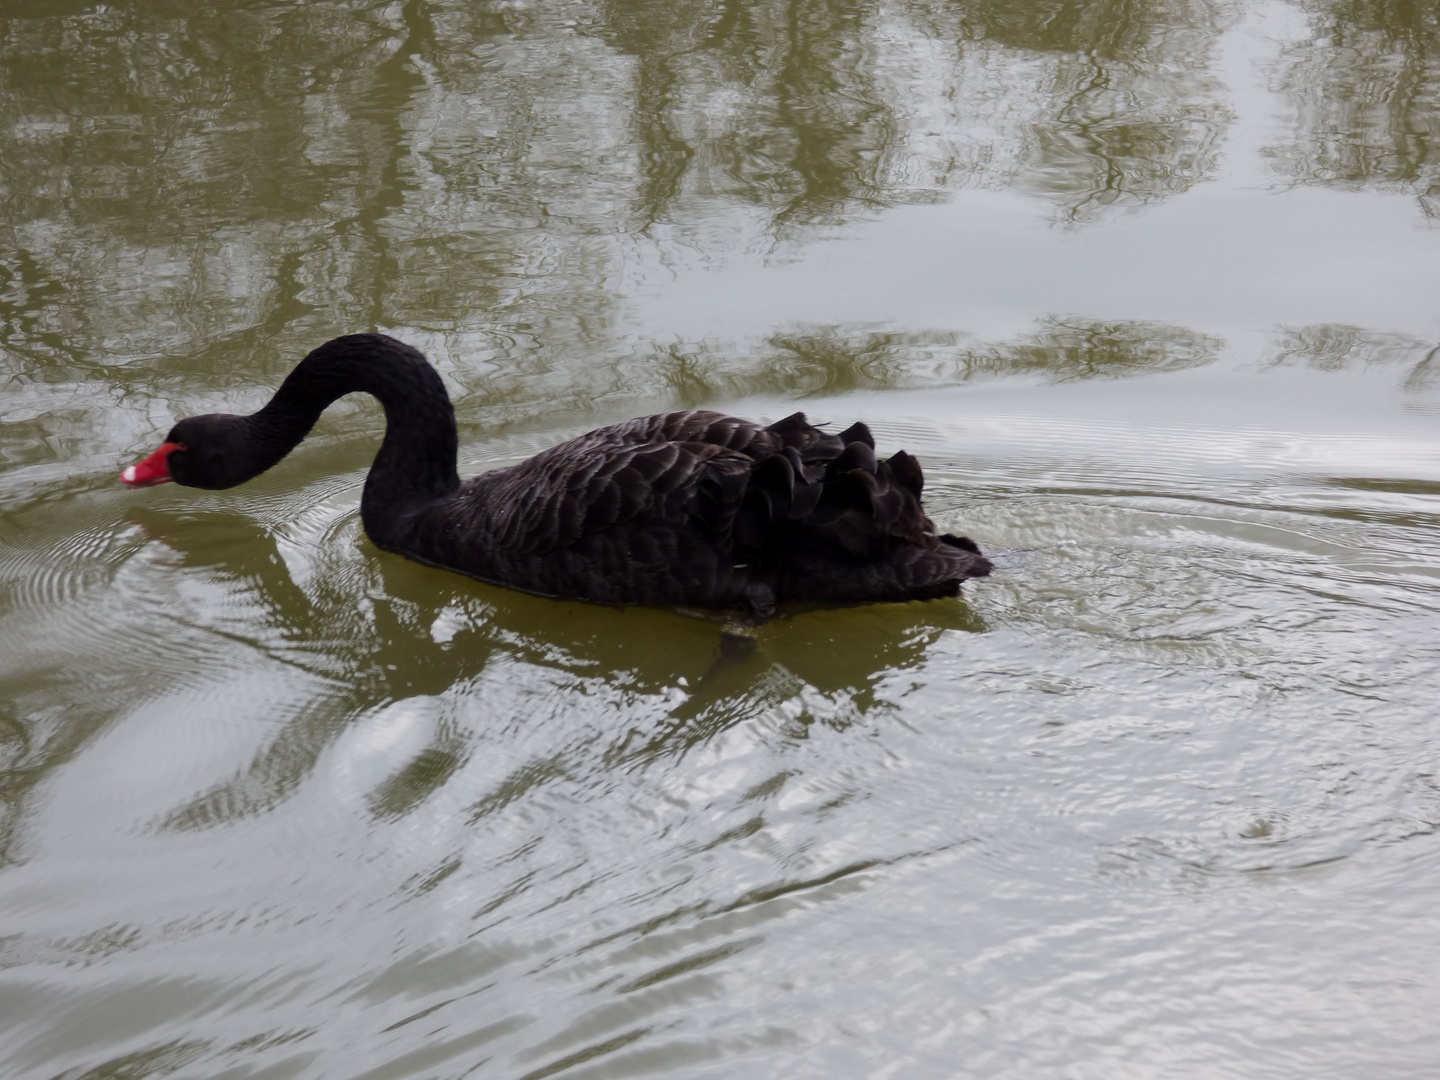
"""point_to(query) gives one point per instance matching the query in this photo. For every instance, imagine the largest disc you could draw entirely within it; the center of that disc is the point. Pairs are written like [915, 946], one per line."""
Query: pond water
[1149, 287]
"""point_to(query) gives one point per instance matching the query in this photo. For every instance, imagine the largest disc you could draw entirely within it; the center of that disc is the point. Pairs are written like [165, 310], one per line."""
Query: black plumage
[692, 507]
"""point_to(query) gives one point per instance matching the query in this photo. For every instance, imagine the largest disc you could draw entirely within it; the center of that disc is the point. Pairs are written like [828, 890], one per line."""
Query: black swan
[682, 508]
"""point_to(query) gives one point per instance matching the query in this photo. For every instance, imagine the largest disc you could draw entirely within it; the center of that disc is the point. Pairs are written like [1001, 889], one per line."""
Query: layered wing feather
[674, 467]
[752, 514]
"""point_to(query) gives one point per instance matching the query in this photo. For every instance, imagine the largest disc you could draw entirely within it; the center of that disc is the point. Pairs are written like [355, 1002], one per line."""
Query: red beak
[153, 470]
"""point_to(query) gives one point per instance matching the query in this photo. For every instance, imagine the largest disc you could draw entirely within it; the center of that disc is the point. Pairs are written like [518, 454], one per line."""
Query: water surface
[1148, 287]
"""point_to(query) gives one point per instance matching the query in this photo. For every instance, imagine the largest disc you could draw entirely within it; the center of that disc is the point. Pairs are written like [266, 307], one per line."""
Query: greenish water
[1149, 287]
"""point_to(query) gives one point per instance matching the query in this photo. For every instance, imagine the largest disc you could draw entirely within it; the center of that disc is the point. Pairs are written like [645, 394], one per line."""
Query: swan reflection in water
[552, 687]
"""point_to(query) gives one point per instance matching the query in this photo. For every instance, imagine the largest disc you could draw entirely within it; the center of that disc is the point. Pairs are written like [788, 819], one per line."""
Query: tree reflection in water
[1331, 347]
[475, 171]
[817, 111]
[1365, 88]
[270, 174]
[806, 361]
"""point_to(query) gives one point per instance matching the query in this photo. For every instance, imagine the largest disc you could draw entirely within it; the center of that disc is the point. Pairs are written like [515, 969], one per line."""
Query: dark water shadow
[833, 663]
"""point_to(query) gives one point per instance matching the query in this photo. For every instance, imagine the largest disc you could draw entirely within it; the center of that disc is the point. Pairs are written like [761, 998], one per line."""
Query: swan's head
[214, 451]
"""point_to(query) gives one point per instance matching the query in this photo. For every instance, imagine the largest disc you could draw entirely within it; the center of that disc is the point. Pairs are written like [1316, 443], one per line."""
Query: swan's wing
[682, 467]
[554, 499]
[731, 433]
[741, 484]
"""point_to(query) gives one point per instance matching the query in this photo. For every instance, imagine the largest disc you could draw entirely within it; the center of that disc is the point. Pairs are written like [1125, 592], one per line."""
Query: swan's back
[702, 509]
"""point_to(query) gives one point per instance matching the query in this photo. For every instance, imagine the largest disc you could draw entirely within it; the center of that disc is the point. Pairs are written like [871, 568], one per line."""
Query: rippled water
[1149, 288]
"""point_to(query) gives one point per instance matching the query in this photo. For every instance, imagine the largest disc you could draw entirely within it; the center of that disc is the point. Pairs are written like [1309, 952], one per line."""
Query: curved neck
[416, 462]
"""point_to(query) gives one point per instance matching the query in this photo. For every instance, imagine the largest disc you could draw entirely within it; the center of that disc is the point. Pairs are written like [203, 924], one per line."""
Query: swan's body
[691, 508]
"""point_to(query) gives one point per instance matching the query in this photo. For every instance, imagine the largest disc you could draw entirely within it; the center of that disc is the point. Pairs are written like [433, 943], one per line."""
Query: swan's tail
[835, 523]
